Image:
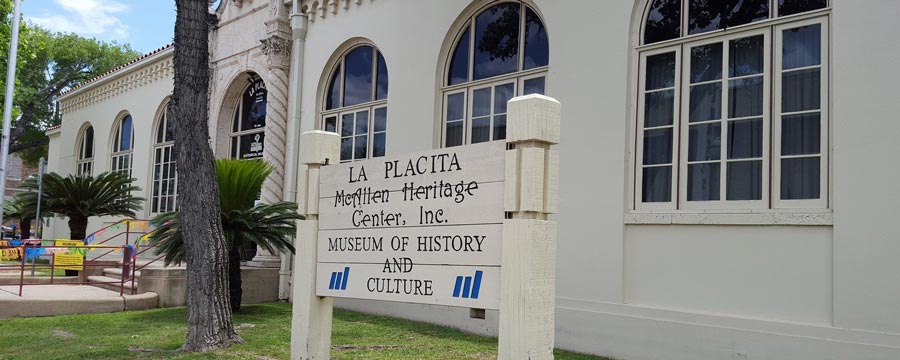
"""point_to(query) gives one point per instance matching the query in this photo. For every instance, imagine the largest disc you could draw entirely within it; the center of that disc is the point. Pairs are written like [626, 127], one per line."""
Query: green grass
[157, 334]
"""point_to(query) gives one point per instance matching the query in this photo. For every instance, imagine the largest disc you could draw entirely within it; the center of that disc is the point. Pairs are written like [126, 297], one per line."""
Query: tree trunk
[210, 323]
[77, 227]
[234, 275]
[25, 227]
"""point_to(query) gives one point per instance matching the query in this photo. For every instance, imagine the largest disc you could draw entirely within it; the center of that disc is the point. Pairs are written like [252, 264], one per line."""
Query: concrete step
[111, 283]
[117, 273]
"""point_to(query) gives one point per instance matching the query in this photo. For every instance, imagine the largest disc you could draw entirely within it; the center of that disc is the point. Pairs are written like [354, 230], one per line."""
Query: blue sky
[145, 24]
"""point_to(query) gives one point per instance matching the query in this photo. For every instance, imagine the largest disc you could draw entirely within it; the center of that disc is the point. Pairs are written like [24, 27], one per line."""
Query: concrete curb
[31, 307]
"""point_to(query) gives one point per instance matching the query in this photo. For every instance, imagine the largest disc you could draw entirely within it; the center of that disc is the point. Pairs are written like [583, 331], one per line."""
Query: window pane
[127, 133]
[657, 184]
[362, 122]
[740, 12]
[378, 145]
[706, 63]
[746, 56]
[380, 119]
[658, 146]
[253, 108]
[358, 78]
[705, 15]
[744, 180]
[499, 127]
[251, 146]
[703, 182]
[790, 7]
[346, 149]
[88, 143]
[660, 71]
[663, 21]
[347, 125]
[234, 148]
[331, 124]
[502, 94]
[497, 41]
[705, 142]
[745, 139]
[534, 86]
[658, 108]
[360, 151]
[800, 134]
[706, 102]
[455, 106]
[800, 178]
[459, 63]
[454, 133]
[802, 47]
[800, 90]
[537, 49]
[482, 102]
[709, 15]
[332, 99]
[481, 130]
[160, 137]
[381, 87]
[745, 97]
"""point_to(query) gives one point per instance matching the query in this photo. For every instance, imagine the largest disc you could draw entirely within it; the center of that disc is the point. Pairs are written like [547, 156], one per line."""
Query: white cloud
[95, 18]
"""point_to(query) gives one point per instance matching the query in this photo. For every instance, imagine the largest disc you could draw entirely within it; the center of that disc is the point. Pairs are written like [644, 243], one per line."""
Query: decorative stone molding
[277, 51]
[321, 8]
[104, 89]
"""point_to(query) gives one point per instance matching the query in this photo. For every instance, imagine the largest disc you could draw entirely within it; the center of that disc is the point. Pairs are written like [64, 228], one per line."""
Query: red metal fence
[95, 254]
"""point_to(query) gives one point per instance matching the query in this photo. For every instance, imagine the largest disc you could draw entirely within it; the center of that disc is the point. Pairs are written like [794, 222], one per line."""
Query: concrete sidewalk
[51, 300]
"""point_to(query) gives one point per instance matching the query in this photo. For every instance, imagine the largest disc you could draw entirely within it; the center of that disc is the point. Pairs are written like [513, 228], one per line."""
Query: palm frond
[240, 182]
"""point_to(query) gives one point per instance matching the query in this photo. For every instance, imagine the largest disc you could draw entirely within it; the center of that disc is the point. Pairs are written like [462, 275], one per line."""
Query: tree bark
[234, 275]
[25, 227]
[210, 323]
[77, 227]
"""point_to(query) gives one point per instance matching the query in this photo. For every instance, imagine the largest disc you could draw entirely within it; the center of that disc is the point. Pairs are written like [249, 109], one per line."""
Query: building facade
[718, 197]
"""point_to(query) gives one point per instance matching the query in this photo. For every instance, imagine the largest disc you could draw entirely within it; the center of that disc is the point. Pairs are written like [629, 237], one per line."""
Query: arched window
[123, 146]
[165, 182]
[501, 52]
[356, 103]
[732, 105]
[84, 165]
[248, 128]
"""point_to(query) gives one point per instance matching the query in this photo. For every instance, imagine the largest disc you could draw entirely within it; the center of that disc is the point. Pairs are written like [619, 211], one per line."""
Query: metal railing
[32, 249]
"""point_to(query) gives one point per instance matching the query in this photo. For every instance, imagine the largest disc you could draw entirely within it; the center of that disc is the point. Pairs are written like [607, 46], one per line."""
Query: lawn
[157, 334]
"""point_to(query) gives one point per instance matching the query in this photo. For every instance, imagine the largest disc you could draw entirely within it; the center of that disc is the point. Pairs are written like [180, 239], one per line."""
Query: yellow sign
[8, 254]
[74, 259]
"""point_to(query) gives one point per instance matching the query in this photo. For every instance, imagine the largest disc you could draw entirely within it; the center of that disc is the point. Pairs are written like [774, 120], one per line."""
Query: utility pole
[8, 101]
[38, 222]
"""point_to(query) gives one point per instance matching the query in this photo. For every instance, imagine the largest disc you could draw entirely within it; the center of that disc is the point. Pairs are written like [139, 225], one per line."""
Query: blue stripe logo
[339, 279]
[467, 287]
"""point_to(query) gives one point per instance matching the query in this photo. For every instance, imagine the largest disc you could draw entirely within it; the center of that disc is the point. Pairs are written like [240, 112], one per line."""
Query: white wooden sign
[420, 228]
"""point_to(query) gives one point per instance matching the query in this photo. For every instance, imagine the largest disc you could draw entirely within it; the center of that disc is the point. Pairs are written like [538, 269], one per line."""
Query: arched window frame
[523, 81]
[164, 183]
[238, 134]
[121, 154]
[374, 133]
[772, 197]
[84, 165]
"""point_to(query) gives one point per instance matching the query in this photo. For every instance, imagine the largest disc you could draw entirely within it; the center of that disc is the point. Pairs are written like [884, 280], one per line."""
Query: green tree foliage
[48, 64]
[270, 226]
[81, 197]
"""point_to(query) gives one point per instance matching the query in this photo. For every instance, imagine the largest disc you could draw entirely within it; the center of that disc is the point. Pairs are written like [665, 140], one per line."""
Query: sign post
[439, 227]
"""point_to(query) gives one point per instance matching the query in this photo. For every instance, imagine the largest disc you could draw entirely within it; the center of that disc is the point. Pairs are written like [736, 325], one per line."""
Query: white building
[721, 194]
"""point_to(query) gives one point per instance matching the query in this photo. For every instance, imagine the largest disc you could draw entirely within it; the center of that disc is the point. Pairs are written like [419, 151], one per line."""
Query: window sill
[822, 218]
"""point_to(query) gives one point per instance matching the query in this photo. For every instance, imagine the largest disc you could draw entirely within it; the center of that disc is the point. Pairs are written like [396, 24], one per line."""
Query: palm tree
[270, 226]
[80, 197]
[19, 210]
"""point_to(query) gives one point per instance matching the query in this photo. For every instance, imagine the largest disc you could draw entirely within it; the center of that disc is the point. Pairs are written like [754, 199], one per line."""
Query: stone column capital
[278, 52]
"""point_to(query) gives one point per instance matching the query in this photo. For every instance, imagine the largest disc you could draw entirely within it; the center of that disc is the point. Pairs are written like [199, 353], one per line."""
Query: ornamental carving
[277, 51]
